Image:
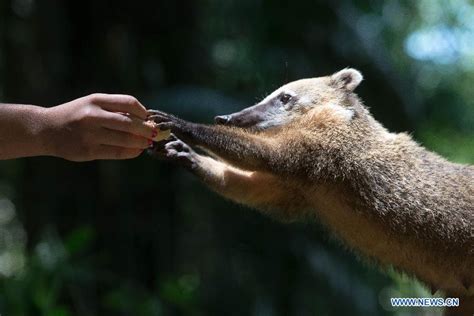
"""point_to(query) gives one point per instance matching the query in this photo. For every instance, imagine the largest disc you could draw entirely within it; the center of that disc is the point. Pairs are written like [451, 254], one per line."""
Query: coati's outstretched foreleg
[258, 189]
[245, 150]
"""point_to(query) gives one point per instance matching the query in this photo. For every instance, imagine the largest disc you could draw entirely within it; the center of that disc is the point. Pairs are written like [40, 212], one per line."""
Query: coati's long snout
[248, 117]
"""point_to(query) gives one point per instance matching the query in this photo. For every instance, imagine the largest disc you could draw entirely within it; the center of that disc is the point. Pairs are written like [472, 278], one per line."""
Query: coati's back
[426, 205]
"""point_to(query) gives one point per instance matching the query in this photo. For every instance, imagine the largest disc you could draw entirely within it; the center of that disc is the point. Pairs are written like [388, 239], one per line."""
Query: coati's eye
[285, 98]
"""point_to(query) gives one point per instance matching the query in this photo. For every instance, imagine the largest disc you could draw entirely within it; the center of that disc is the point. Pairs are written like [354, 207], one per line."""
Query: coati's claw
[178, 148]
[174, 150]
[157, 149]
[165, 126]
[181, 153]
[154, 112]
[159, 118]
[166, 121]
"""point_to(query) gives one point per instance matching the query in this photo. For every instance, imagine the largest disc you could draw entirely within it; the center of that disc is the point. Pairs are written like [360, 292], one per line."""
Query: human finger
[128, 124]
[121, 103]
[121, 139]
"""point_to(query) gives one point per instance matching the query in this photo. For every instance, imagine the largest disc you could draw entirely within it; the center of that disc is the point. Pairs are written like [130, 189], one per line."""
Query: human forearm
[23, 131]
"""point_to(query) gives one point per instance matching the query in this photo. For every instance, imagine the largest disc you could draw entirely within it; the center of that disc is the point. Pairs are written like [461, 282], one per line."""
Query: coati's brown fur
[323, 155]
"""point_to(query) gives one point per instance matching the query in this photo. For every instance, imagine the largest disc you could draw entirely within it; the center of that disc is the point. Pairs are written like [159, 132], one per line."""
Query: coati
[311, 149]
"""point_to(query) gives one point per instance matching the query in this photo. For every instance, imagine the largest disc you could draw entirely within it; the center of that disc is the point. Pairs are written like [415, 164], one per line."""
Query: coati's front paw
[174, 150]
[165, 121]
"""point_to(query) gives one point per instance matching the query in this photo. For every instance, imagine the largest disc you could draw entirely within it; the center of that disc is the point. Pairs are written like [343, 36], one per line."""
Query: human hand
[98, 126]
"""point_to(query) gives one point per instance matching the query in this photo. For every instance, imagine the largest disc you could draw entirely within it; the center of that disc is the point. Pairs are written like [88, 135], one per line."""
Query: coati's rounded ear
[348, 78]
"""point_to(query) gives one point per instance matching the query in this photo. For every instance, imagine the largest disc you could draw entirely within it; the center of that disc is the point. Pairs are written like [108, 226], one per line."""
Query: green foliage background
[143, 238]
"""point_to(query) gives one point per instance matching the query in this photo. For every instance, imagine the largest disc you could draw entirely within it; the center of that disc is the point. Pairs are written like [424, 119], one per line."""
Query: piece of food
[161, 135]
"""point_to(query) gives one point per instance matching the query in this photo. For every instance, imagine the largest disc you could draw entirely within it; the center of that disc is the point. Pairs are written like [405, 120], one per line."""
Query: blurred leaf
[181, 291]
[119, 300]
[449, 143]
[79, 239]
[59, 311]
[132, 301]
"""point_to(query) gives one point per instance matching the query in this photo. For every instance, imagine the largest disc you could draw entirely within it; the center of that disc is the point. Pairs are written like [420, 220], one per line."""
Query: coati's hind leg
[253, 188]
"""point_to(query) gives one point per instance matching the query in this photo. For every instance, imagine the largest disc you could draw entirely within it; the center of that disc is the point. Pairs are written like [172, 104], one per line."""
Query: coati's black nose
[222, 119]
